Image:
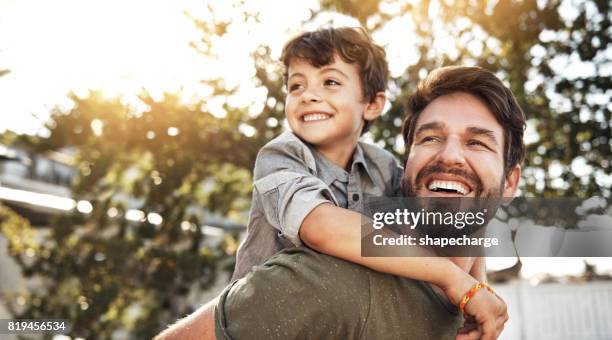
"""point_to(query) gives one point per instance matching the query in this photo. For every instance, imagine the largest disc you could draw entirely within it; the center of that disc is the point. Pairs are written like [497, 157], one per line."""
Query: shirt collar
[359, 158]
[330, 172]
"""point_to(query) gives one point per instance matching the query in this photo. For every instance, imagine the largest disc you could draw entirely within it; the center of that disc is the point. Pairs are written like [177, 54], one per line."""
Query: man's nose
[451, 153]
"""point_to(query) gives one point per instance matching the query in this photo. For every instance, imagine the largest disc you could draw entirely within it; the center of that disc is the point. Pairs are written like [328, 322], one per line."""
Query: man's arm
[199, 325]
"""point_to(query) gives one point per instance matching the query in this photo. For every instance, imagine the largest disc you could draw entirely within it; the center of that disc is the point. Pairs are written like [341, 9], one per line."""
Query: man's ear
[511, 184]
[375, 107]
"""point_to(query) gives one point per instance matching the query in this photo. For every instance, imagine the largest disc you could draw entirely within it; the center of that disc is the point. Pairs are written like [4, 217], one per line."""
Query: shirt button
[355, 197]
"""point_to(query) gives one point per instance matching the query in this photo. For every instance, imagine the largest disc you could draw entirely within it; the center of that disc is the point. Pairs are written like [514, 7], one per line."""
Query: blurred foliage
[19, 233]
[520, 41]
[104, 272]
[181, 161]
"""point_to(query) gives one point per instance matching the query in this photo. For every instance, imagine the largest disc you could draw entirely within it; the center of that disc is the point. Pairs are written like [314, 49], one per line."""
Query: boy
[309, 183]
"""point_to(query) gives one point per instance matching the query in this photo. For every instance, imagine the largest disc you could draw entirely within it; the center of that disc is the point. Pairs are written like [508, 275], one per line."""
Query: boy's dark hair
[353, 45]
[482, 84]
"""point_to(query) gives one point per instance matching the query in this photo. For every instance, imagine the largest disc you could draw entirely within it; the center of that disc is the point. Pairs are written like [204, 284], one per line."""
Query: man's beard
[486, 200]
[410, 189]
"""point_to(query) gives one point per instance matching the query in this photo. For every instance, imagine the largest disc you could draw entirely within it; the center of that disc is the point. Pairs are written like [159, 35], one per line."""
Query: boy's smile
[325, 107]
[315, 116]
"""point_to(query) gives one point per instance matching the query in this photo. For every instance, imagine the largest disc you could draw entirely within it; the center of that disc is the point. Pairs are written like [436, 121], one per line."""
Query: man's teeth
[315, 116]
[449, 185]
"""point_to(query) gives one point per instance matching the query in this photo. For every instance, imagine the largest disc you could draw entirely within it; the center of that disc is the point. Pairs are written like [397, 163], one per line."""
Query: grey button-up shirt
[291, 179]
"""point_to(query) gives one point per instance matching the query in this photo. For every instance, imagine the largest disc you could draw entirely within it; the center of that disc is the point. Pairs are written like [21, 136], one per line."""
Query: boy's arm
[479, 269]
[286, 186]
[337, 232]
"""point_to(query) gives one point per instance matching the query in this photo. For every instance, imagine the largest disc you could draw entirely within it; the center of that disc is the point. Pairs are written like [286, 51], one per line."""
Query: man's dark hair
[353, 45]
[480, 83]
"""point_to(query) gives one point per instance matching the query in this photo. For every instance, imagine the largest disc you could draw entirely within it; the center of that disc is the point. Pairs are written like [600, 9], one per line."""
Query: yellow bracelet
[470, 293]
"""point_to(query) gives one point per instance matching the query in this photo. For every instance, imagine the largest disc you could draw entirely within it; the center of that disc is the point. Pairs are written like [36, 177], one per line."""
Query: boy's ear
[511, 184]
[375, 107]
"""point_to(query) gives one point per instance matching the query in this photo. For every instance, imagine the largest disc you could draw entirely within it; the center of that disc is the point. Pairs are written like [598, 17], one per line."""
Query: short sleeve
[296, 294]
[287, 187]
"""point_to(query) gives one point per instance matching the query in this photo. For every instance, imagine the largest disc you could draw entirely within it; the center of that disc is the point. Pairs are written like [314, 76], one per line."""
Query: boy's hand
[486, 315]
[469, 330]
[484, 310]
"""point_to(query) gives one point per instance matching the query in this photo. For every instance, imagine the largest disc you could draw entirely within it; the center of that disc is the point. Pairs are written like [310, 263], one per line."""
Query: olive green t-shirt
[301, 294]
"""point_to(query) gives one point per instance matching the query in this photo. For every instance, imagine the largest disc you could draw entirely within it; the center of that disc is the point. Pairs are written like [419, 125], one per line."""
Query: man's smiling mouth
[317, 116]
[450, 187]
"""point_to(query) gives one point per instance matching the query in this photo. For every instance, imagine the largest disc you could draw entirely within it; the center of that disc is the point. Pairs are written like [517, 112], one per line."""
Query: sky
[53, 47]
[122, 47]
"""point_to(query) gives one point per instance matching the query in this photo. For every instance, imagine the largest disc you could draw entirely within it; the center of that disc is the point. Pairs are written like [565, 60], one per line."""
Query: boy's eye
[294, 87]
[331, 82]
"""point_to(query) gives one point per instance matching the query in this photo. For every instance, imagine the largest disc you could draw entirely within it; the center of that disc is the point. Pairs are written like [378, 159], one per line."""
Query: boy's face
[325, 106]
[457, 151]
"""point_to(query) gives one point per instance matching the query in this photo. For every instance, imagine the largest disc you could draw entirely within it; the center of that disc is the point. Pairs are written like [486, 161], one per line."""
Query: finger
[474, 334]
[500, 322]
[467, 327]
[469, 318]
[500, 327]
[499, 331]
[488, 330]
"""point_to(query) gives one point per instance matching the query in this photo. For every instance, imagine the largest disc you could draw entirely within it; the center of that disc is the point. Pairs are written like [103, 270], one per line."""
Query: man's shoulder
[301, 270]
[317, 267]
[292, 291]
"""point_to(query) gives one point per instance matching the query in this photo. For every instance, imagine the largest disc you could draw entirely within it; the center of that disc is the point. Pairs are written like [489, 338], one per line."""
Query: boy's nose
[310, 96]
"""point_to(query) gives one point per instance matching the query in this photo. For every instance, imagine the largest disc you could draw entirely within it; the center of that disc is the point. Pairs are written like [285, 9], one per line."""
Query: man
[464, 130]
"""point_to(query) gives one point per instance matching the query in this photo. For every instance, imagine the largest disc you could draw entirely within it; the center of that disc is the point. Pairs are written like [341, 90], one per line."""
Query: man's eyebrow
[331, 69]
[483, 132]
[429, 126]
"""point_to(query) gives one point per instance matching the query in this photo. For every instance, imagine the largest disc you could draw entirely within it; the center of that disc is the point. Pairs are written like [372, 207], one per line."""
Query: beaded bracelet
[470, 293]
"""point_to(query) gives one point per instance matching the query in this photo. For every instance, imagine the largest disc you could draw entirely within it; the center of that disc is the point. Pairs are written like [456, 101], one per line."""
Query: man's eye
[474, 142]
[331, 82]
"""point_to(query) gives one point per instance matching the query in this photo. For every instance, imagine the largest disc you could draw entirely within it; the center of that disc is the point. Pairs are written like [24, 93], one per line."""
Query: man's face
[458, 151]
[325, 106]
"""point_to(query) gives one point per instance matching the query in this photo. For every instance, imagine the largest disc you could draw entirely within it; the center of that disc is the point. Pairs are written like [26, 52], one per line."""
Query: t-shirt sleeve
[296, 294]
[286, 185]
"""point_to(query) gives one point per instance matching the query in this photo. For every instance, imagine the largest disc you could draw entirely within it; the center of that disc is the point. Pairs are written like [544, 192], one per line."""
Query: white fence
[558, 311]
